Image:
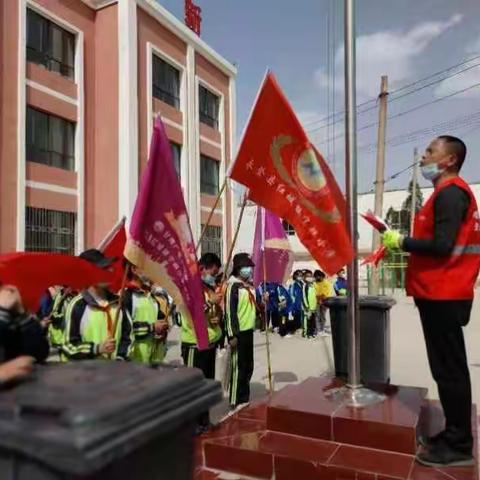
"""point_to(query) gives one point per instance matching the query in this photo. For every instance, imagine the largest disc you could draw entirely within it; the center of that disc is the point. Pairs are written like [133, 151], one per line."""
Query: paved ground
[294, 359]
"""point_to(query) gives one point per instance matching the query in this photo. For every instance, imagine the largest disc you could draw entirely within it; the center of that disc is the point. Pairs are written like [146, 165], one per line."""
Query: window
[212, 240]
[209, 107]
[209, 175]
[166, 82]
[50, 140]
[289, 230]
[50, 45]
[176, 155]
[49, 231]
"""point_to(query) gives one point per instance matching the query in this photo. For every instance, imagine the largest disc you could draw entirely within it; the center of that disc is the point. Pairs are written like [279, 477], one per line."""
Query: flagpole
[235, 236]
[121, 299]
[351, 187]
[267, 335]
[111, 233]
[210, 215]
[357, 396]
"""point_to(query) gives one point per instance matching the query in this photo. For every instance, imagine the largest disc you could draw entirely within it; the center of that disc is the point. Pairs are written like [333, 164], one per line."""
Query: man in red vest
[442, 270]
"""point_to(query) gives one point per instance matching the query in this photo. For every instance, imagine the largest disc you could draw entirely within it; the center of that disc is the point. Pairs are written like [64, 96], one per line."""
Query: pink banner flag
[271, 240]
[161, 242]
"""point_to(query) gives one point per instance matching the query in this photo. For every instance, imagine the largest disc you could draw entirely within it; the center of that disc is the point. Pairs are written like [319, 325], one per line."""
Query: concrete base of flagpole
[355, 396]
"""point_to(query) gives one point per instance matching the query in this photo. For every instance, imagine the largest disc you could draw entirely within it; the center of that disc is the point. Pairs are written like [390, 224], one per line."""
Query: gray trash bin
[103, 420]
[374, 337]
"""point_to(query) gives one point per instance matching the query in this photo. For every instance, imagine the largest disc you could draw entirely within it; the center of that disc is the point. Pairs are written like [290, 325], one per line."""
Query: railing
[392, 276]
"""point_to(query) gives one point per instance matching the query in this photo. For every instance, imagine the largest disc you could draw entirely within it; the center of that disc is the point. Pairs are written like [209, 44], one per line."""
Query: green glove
[342, 292]
[392, 240]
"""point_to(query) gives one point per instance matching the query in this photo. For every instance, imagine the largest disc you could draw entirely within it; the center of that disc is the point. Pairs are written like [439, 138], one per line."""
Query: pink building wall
[95, 100]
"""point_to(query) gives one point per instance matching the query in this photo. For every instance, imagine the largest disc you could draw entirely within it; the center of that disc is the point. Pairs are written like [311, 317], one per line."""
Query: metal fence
[392, 273]
[49, 230]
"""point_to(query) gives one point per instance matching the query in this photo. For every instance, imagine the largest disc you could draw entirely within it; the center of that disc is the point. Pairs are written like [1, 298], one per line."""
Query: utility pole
[374, 284]
[414, 190]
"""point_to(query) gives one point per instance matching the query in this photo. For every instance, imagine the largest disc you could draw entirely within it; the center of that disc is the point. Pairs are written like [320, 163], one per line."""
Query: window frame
[216, 187]
[44, 55]
[204, 117]
[288, 228]
[177, 103]
[33, 232]
[215, 239]
[68, 159]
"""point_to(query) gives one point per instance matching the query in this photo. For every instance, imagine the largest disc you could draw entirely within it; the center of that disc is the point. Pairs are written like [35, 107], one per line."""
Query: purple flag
[161, 242]
[271, 240]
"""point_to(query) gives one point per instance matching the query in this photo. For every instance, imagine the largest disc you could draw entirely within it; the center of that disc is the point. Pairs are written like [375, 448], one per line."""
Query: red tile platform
[299, 433]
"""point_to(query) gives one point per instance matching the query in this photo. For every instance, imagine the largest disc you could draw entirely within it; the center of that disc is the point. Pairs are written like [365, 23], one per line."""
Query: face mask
[431, 171]
[209, 279]
[246, 272]
[309, 279]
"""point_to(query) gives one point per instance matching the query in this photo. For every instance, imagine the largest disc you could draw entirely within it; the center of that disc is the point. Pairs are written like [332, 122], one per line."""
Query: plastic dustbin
[374, 337]
[103, 420]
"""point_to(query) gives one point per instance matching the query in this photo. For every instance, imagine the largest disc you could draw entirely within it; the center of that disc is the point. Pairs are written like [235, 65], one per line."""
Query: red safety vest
[452, 277]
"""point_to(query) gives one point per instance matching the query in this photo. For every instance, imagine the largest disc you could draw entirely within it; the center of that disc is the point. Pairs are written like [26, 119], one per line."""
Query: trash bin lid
[78, 417]
[381, 302]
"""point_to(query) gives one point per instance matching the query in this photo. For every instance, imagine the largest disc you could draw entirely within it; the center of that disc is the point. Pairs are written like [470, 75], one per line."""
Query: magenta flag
[271, 240]
[161, 242]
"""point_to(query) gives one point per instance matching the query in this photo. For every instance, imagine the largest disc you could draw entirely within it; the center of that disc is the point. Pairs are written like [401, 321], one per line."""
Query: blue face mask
[209, 279]
[431, 171]
[246, 272]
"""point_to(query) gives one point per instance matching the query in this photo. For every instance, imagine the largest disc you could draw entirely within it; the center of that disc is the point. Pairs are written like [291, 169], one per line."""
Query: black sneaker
[425, 441]
[441, 456]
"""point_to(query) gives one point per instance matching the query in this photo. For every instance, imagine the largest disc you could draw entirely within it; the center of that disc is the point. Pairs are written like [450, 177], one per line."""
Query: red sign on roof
[193, 16]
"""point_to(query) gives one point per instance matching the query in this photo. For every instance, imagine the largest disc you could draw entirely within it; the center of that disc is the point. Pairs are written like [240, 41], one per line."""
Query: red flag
[285, 174]
[376, 222]
[375, 257]
[113, 245]
[32, 273]
[161, 242]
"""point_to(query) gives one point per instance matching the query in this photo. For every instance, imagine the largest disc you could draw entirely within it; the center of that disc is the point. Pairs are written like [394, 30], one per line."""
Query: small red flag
[287, 175]
[376, 222]
[375, 257]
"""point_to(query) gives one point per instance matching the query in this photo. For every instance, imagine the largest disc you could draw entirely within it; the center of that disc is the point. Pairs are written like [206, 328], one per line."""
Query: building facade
[80, 85]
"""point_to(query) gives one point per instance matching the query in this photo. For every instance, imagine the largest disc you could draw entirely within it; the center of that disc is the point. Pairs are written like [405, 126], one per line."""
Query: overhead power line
[397, 174]
[414, 109]
[392, 97]
[470, 120]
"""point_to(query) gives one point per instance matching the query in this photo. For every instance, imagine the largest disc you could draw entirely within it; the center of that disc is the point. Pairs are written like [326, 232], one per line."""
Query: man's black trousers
[442, 322]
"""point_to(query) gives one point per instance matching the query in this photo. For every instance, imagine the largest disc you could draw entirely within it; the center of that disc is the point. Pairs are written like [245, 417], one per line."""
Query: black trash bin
[103, 421]
[374, 337]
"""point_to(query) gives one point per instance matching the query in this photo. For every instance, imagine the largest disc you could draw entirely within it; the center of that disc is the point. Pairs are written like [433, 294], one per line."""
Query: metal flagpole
[351, 188]
[357, 396]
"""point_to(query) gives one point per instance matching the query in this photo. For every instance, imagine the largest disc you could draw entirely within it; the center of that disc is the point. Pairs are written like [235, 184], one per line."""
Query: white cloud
[463, 80]
[391, 53]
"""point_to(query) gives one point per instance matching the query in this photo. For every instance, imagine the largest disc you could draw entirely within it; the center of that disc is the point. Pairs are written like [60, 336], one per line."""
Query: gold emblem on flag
[308, 179]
